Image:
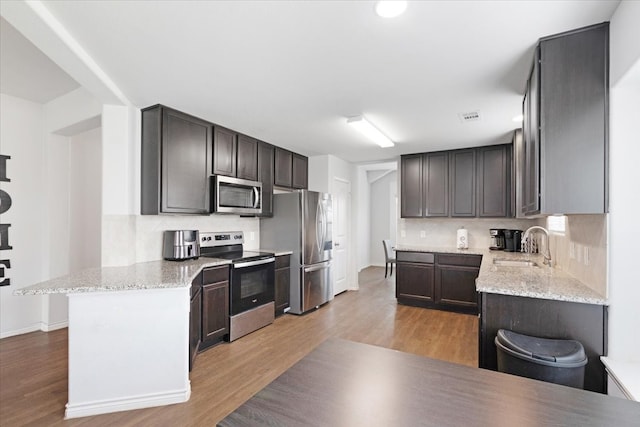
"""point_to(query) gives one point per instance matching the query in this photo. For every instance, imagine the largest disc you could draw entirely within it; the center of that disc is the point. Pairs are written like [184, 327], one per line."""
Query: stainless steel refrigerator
[301, 223]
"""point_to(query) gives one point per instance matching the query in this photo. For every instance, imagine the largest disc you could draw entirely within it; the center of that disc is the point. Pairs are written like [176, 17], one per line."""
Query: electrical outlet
[572, 250]
[585, 257]
[423, 234]
[252, 236]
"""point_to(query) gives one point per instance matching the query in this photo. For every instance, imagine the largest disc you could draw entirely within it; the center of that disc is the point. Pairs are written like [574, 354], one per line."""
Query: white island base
[127, 350]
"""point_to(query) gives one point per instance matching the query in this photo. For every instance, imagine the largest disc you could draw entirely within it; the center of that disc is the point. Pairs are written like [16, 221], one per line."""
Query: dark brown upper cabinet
[283, 167]
[247, 160]
[224, 151]
[494, 181]
[436, 173]
[459, 183]
[424, 185]
[566, 124]
[299, 171]
[266, 176]
[462, 195]
[291, 169]
[411, 185]
[176, 162]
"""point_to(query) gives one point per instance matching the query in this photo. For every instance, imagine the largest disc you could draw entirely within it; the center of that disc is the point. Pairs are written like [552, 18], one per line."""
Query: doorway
[341, 233]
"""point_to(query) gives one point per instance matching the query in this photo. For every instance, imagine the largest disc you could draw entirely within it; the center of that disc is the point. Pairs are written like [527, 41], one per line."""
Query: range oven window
[251, 287]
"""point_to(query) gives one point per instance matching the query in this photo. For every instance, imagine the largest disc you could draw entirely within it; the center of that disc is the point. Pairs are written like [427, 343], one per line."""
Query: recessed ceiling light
[370, 131]
[518, 118]
[390, 9]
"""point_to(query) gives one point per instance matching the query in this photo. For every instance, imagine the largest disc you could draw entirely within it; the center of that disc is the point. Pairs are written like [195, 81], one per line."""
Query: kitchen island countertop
[143, 275]
[535, 282]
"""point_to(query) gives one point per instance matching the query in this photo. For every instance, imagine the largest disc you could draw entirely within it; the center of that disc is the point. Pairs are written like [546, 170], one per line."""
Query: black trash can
[551, 360]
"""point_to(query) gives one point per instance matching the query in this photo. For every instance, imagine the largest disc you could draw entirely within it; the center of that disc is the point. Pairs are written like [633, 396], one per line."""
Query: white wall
[51, 175]
[382, 220]
[624, 291]
[85, 201]
[318, 179]
[363, 218]
[21, 137]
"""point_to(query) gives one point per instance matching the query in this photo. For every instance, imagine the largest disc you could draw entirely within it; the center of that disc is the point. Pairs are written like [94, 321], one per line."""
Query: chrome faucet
[527, 244]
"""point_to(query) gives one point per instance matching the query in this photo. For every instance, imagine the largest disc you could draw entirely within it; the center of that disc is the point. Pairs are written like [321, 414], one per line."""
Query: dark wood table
[343, 383]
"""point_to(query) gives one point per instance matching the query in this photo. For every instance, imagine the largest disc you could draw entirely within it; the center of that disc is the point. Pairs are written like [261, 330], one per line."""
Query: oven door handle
[252, 263]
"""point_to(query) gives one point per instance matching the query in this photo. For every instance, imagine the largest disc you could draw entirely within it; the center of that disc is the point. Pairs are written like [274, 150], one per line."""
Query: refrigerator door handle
[317, 267]
[319, 223]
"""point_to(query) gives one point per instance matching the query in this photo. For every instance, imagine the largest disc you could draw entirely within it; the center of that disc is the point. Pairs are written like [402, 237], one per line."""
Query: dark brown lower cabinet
[415, 278]
[456, 282]
[215, 305]
[441, 281]
[586, 323]
[195, 319]
[282, 283]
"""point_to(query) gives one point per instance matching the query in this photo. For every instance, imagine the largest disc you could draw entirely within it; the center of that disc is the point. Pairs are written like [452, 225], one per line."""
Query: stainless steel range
[251, 281]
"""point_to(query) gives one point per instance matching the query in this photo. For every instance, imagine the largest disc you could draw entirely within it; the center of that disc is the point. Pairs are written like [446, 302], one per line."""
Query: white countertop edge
[626, 375]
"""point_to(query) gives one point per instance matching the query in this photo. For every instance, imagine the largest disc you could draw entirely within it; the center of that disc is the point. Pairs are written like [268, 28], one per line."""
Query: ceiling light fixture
[518, 118]
[390, 9]
[370, 131]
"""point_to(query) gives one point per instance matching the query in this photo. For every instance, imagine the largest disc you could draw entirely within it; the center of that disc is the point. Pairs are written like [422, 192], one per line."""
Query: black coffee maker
[497, 239]
[512, 240]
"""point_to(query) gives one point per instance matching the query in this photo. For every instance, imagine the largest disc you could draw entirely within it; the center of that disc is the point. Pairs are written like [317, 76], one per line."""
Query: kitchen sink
[514, 262]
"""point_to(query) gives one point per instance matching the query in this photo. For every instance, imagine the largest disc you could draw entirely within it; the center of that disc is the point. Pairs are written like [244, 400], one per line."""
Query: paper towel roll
[462, 239]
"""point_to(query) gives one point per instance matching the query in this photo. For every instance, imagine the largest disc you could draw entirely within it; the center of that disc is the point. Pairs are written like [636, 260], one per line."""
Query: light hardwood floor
[33, 367]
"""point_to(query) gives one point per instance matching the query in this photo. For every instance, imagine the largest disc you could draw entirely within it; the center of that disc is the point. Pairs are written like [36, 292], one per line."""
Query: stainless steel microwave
[236, 196]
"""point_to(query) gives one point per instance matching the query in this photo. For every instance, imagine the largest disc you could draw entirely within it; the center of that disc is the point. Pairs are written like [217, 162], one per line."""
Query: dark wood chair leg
[391, 273]
[386, 265]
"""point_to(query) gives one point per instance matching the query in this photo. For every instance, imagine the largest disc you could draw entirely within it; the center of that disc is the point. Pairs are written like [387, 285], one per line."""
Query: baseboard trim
[77, 410]
[40, 326]
[32, 328]
[48, 327]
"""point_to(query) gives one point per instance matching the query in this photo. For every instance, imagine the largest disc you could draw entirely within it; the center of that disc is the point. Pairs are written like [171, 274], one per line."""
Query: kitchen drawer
[283, 261]
[215, 275]
[423, 257]
[460, 260]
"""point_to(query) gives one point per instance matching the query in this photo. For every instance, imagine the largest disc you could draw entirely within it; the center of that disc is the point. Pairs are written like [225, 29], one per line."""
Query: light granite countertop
[441, 250]
[277, 253]
[144, 275]
[534, 282]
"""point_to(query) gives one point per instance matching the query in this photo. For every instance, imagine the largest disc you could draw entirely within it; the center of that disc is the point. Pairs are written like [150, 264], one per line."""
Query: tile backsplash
[128, 239]
[582, 250]
[442, 231]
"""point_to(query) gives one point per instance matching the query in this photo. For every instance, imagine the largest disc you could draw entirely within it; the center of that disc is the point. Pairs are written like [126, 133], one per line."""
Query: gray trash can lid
[550, 350]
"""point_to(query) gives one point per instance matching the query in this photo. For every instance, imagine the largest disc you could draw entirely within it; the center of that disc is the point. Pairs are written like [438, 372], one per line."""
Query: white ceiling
[291, 72]
[26, 72]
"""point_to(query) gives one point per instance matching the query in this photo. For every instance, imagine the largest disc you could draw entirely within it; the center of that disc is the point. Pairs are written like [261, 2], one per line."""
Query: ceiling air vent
[472, 116]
